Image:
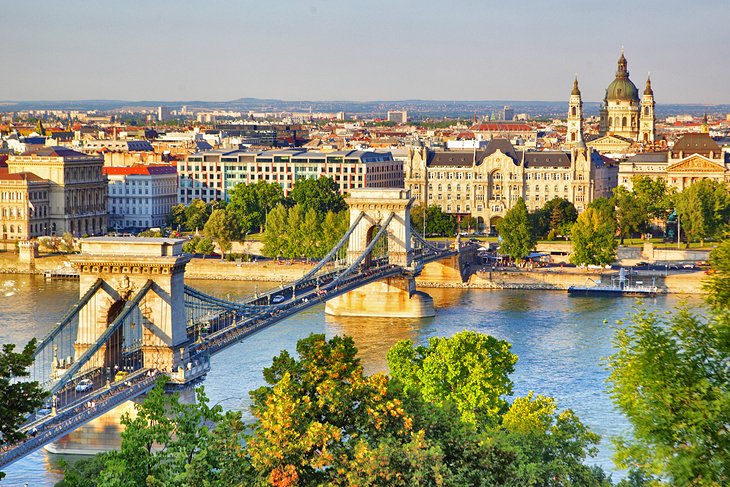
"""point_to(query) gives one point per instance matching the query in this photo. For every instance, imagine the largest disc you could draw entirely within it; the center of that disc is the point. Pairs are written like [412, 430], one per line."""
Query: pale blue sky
[360, 50]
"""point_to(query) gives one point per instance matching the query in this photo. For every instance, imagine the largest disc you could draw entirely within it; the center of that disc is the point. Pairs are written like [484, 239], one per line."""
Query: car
[703, 263]
[120, 375]
[278, 299]
[642, 264]
[84, 385]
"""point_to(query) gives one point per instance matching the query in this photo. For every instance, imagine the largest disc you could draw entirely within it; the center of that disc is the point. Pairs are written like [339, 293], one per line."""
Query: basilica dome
[622, 88]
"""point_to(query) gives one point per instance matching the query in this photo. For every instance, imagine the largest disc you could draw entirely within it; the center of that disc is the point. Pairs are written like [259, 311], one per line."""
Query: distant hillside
[416, 108]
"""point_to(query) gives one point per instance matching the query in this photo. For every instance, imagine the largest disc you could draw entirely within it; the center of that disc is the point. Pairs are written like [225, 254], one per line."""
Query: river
[560, 342]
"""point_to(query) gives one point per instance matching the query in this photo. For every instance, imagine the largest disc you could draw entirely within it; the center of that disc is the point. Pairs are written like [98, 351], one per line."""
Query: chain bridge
[136, 319]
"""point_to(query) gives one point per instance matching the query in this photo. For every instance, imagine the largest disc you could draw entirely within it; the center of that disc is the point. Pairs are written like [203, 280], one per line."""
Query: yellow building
[693, 157]
[23, 205]
[488, 182]
[77, 188]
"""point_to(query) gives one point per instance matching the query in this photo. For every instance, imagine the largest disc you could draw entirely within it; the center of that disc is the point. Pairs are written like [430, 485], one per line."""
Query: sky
[219, 50]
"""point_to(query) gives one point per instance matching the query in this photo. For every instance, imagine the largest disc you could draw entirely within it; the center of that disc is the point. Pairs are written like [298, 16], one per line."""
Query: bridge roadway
[232, 323]
[73, 414]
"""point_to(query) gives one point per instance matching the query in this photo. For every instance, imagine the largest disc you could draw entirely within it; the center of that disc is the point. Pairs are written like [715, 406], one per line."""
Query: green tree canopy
[719, 285]
[470, 370]
[654, 196]
[703, 209]
[593, 237]
[196, 214]
[322, 194]
[177, 218]
[554, 218]
[518, 239]
[205, 246]
[250, 203]
[439, 223]
[275, 232]
[669, 377]
[630, 215]
[18, 398]
[222, 227]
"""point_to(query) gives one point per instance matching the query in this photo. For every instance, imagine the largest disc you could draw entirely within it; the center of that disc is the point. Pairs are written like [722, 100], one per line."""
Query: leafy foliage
[669, 376]
[554, 218]
[294, 233]
[321, 194]
[196, 214]
[630, 215]
[518, 238]
[250, 204]
[593, 237]
[704, 209]
[17, 398]
[223, 228]
[470, 370]
[437, 222]
[719, 285]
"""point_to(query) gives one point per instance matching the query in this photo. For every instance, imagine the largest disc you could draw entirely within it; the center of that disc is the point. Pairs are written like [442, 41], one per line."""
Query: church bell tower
[575, 116]
[647, 132]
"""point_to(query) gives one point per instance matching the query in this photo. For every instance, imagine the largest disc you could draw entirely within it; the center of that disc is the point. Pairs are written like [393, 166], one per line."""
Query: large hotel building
[213, 174]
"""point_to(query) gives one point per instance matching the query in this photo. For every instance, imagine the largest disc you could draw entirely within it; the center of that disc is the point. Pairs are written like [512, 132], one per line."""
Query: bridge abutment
[395, 297]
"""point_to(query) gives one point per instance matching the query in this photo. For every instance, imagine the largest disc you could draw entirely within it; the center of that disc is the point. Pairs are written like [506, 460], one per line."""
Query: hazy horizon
[325, 50]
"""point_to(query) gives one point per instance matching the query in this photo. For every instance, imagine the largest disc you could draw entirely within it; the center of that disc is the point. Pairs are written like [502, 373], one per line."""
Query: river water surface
[560, 342]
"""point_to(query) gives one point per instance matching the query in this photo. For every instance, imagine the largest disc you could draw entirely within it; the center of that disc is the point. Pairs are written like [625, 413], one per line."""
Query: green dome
[622, 89]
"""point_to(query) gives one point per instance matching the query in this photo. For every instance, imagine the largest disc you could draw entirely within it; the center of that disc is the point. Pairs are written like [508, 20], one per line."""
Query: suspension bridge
[136, 319]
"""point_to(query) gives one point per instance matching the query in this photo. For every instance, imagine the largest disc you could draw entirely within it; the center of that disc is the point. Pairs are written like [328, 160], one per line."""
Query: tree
[334, 227]
[468, 223]
[205, 246]
[593, 238]
[518, 239]
[322, 194]
[222, 227]
[294, 232]
[669, 376]
[275, 232]
[18, 398]
[718, 286]
[320, 416]
[470, 369]
[196, 214]
[703, 209]
[311, 235]
[170, 443]
[177, 218]
[654, 196]
[553, 219]
[631, 216]
[439, 223]
[250, 203]
[190, 246]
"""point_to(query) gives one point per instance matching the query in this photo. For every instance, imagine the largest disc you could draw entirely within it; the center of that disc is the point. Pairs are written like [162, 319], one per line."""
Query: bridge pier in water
[395, 297]
[116, 270]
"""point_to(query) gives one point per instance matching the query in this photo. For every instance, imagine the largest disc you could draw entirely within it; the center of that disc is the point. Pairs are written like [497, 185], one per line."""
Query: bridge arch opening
[113, 352]
[379, 250]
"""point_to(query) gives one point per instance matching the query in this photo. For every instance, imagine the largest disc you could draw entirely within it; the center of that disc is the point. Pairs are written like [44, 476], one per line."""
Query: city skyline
[322, 50]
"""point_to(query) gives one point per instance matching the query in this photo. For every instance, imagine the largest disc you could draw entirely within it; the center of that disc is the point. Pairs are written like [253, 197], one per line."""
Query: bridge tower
[394, 296]
[125, 267]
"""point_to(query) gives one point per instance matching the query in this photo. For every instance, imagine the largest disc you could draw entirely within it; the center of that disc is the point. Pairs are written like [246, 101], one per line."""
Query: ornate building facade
[486, 183]
[623, 113]
[77, 194]
[693, 157]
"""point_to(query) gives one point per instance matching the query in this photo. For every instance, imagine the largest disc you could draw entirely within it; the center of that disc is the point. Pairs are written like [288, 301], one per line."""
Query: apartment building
[212, 175]
[23, 205]
[141, 196]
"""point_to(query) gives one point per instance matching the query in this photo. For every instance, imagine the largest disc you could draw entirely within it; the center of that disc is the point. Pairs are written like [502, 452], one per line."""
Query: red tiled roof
[501, 127]
[141, 170]
[5, 175]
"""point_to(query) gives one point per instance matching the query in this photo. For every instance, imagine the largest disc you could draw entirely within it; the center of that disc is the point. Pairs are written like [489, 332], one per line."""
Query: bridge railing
[68, 419]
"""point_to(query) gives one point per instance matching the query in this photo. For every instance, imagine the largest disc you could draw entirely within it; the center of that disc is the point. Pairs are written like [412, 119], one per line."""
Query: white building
[141, 196]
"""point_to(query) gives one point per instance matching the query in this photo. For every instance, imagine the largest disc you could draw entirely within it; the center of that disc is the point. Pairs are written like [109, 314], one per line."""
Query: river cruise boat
[621, 285]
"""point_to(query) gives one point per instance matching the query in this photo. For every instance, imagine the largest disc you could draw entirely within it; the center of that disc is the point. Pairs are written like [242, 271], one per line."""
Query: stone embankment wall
[560, 279]
[435, 275]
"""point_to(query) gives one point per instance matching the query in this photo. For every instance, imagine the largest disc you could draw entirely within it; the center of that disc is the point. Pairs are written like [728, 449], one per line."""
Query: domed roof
[576, 91]
[622, 88]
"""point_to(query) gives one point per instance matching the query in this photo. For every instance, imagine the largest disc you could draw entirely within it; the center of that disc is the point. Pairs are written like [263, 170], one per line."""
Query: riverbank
[551, 278]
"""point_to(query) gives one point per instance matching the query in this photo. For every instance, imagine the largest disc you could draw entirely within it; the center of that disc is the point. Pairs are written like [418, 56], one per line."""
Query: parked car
[84, 385]
[278, 299]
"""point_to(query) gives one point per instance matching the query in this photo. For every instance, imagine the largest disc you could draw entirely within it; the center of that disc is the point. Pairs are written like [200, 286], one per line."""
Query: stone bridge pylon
[393, 296]
[119, 269]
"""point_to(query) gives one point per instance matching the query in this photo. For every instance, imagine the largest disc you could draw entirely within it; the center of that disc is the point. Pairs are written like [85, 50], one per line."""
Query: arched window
[573, 110]
[623, 122]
